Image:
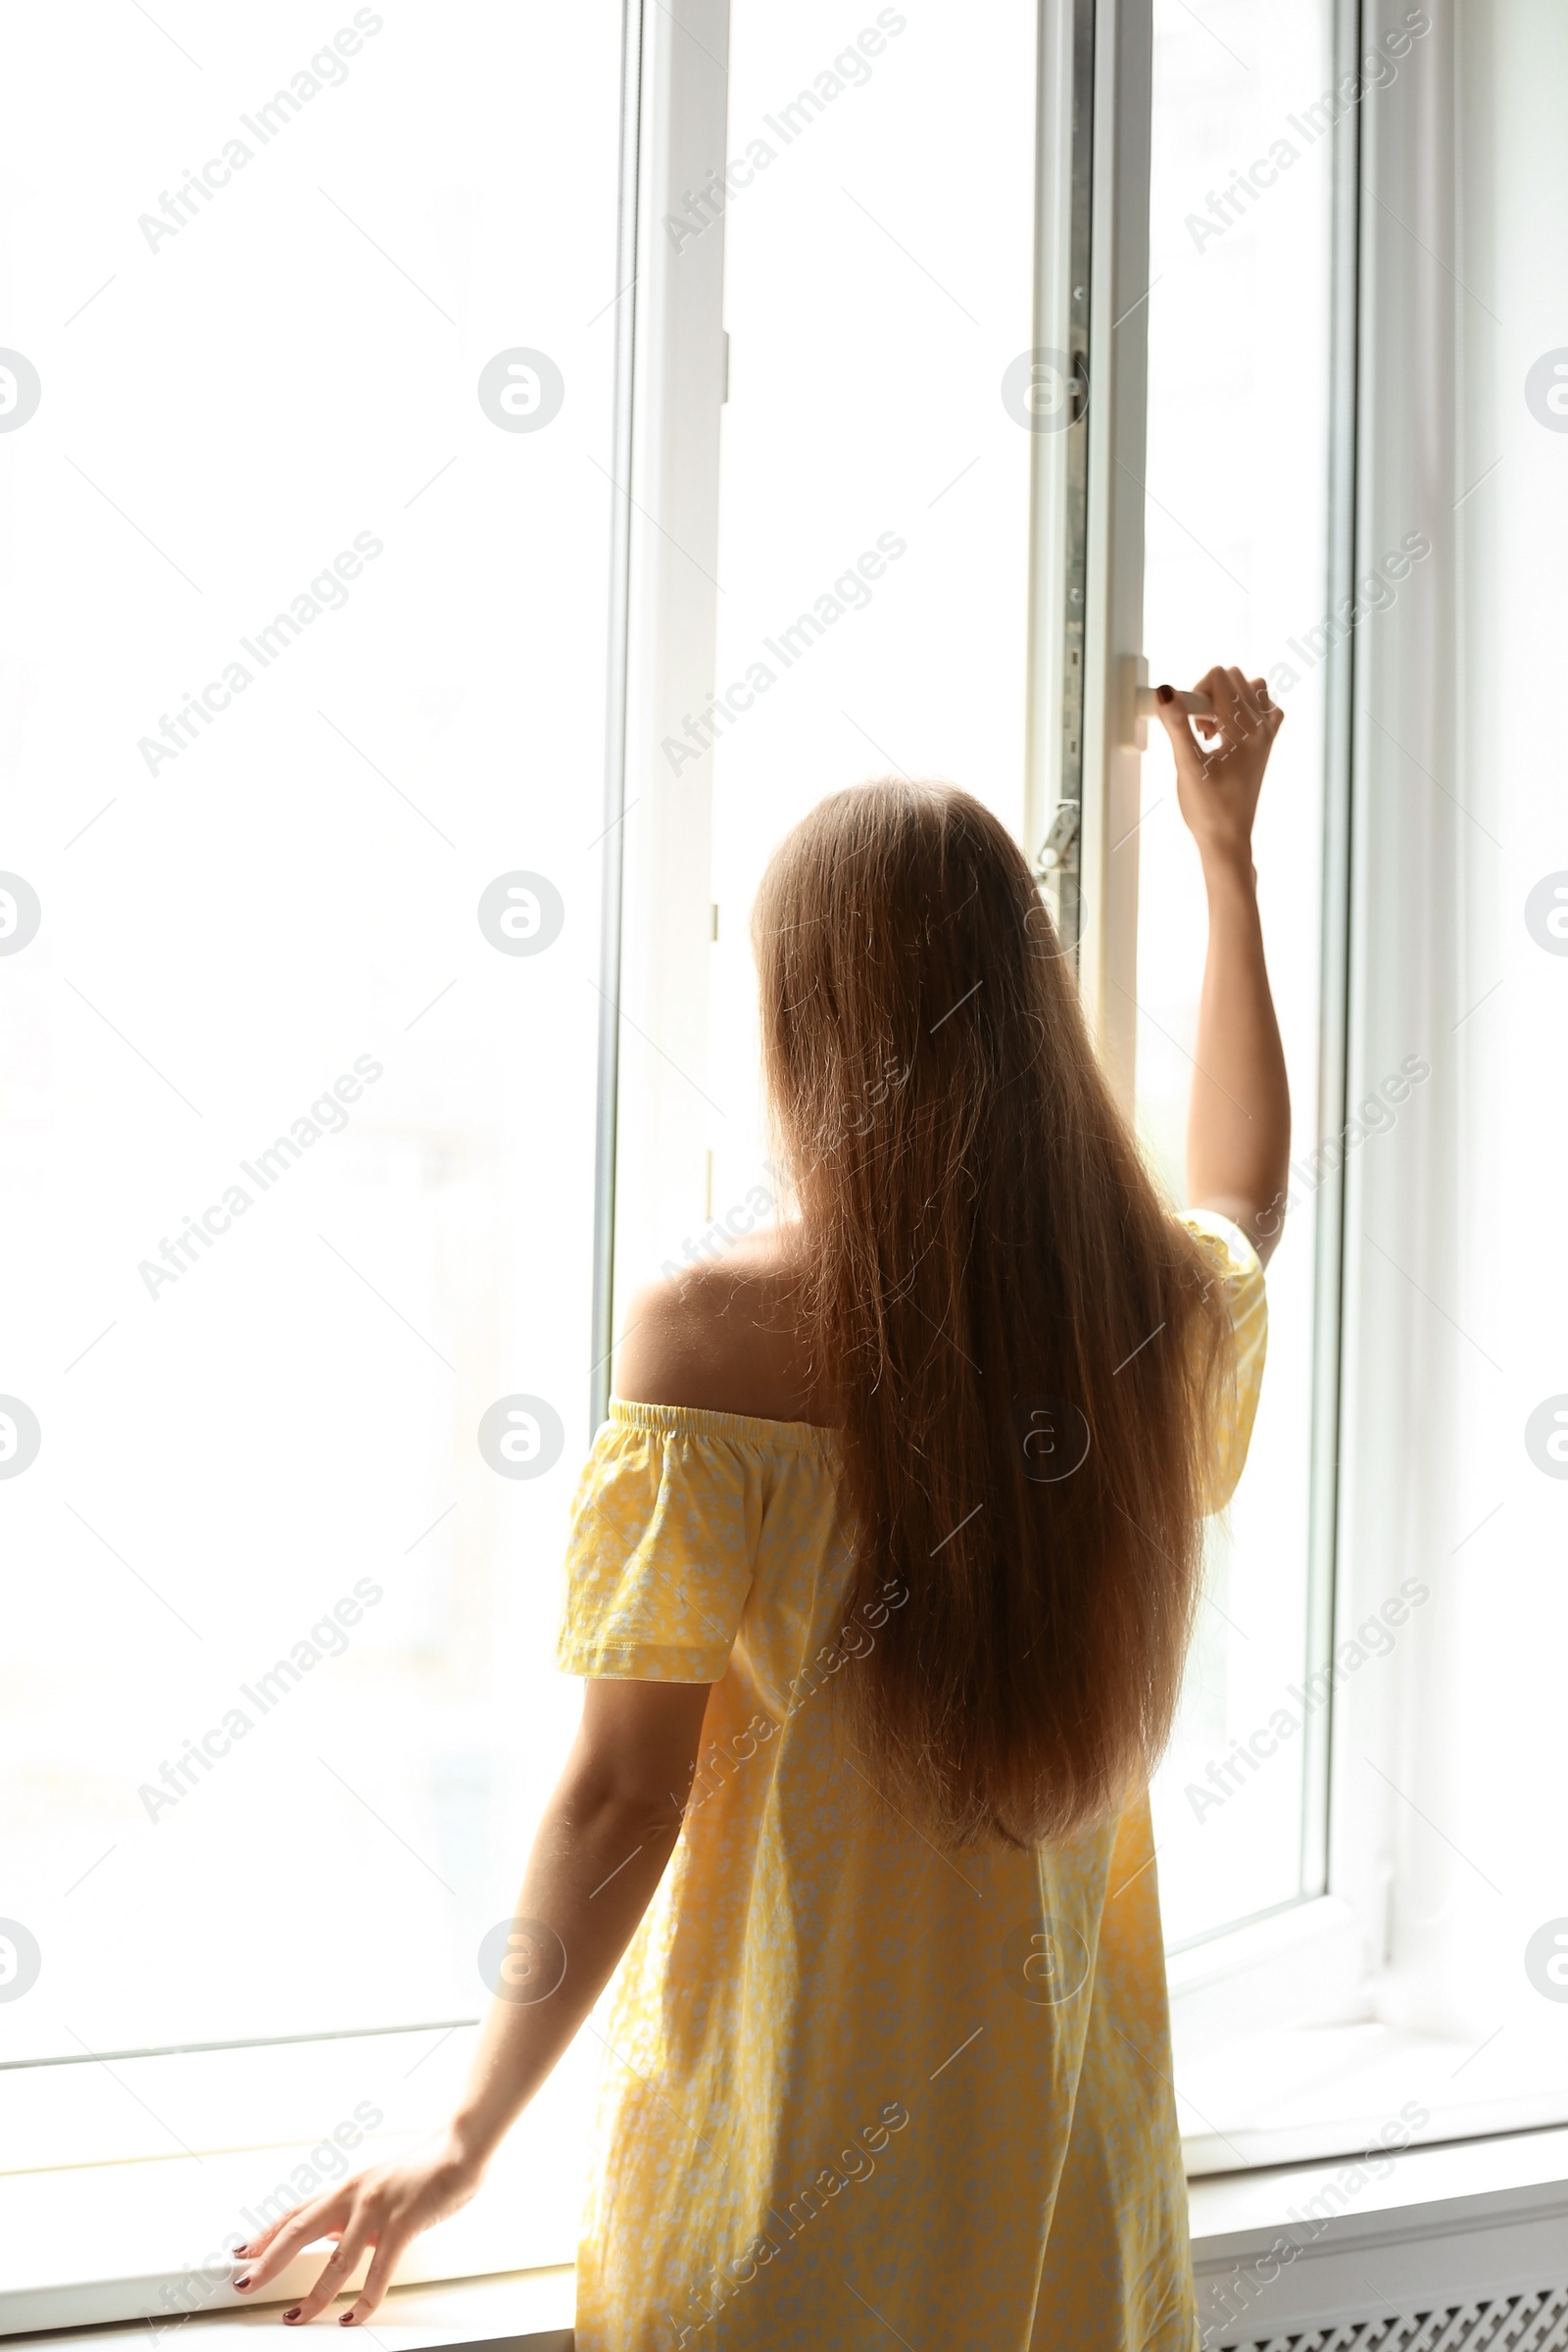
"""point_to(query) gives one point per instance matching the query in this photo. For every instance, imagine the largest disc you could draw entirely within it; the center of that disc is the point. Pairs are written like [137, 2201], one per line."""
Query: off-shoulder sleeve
[662, 1551]
[1241, 1277]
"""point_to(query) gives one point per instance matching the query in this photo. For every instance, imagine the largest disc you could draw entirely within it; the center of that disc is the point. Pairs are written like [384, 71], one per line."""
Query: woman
[881, 1577]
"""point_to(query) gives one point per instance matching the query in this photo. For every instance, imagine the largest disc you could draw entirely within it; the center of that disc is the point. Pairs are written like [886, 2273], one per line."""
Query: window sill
[131, 2179]
[1273, 2252]
[1297, 2249]
[1285, 2052]
[525, 2311]
[1312, 2091]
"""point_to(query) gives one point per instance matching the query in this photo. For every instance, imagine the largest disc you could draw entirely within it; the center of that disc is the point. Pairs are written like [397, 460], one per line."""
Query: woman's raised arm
[1238, 1122]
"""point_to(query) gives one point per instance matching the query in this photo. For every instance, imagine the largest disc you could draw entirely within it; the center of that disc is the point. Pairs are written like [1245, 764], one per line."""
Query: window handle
[1138, 702]
[1197, 705]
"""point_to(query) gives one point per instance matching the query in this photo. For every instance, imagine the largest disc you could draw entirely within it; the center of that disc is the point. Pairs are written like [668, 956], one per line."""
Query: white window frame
[656, 977]
[669, 383]
[1387, 1474]
[1266, 1988]
[674, 372]
[1271, 1971]
[1320, 1952]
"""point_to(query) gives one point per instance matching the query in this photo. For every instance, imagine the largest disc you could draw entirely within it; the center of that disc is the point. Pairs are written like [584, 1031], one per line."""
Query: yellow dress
[859, 2091]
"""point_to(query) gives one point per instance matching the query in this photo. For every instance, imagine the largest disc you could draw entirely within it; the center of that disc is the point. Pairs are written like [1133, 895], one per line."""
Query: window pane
[874, 489]
[297, 1085]
[1237, 556]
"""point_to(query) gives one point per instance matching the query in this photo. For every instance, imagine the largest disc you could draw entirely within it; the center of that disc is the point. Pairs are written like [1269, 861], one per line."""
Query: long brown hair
[1022, 1344]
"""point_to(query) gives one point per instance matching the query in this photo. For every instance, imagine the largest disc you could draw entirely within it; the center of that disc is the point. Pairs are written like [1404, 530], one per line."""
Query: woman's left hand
[384, 2208]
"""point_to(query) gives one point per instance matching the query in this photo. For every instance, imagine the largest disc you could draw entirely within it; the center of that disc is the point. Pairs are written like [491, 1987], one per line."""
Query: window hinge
[1059, 849]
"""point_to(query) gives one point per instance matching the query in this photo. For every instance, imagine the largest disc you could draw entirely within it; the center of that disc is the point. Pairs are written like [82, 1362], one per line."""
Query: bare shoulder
[720, 1337]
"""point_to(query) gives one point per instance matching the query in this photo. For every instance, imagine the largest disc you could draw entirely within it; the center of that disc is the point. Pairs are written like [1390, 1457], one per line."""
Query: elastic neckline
[740, 1429]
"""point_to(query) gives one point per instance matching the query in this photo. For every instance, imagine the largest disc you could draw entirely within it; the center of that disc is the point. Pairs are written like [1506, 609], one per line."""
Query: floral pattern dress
[859, 2090]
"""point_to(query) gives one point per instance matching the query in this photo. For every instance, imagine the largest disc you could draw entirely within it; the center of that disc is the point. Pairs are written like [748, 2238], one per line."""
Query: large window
[1239, 569]
[1352, 442]
[874, 499]
[306, 557]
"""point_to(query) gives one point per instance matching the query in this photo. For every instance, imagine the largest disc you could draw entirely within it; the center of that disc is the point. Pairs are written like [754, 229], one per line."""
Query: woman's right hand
[1218, 780]
[384, 2208]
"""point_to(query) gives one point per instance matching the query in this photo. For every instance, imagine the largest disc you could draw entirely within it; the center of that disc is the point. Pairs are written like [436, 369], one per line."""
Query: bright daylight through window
[305, 649]
[1249, 398]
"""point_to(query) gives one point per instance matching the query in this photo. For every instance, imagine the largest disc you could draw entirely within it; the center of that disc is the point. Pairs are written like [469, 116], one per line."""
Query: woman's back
[848, 2067]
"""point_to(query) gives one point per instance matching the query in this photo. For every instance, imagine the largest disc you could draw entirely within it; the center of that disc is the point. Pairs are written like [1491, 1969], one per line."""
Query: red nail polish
[242, 2282]
[238, 2250]
[347, 2319]
[1163, 694]
[289, 2317]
